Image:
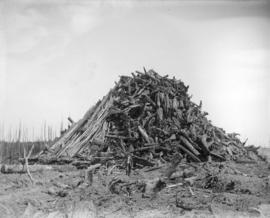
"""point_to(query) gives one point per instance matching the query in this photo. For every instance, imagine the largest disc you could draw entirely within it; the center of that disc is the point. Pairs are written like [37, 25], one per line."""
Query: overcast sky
[57, 58]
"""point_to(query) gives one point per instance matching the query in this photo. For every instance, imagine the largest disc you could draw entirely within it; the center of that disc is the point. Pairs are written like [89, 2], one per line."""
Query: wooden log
[190, 116]
[188, 152]
[205, 146]
[189, 146]
[158, 99]
[217, 156]
[141, 161]
[152, 169]
[144, 135]
[150, 100]
[155, 145]
[117, 137]
[70, 120]
[160, 113]
[174, 185]
[13, 169]
[175, 104]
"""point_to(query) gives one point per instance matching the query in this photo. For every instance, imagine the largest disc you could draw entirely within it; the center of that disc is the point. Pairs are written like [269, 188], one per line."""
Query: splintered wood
[145, 119]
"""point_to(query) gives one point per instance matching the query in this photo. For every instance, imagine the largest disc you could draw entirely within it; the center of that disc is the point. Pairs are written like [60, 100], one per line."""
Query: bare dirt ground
[206, 190]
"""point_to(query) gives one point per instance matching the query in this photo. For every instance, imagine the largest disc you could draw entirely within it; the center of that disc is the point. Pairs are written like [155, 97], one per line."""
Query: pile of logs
[147, 118]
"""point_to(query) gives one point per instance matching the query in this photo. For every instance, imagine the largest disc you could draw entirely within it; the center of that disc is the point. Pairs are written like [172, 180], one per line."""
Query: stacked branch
[144, 118]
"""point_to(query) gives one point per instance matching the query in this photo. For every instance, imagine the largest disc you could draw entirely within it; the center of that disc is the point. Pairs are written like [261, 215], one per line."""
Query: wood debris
[147, 118]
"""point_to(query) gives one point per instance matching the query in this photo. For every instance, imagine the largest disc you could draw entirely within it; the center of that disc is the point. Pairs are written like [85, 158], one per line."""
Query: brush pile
[145, 119]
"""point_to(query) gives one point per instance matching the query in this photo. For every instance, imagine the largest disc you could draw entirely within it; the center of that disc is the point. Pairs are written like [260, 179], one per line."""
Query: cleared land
[209, 190]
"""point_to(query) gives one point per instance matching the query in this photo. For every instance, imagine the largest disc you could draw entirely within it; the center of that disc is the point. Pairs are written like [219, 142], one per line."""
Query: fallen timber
[146, 118]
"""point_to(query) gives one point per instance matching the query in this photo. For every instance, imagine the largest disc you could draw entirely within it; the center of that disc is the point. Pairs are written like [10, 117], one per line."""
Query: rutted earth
[210, 189]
